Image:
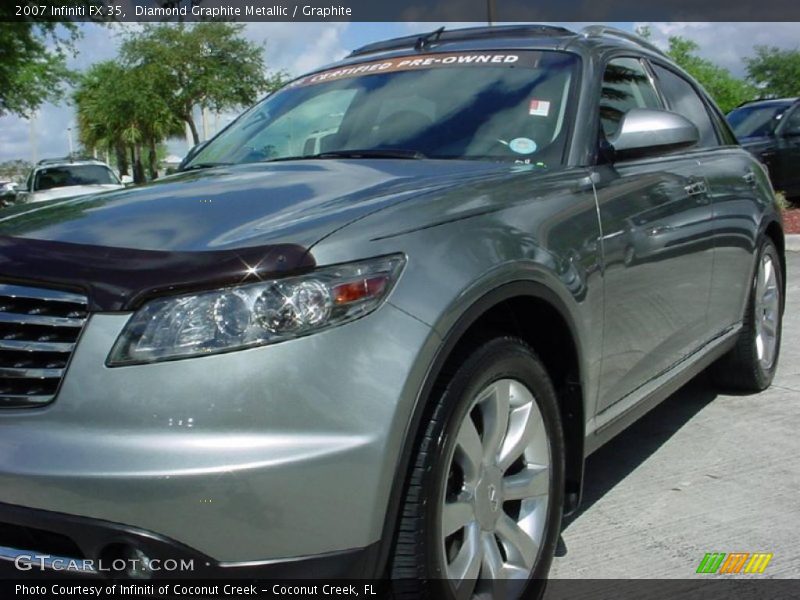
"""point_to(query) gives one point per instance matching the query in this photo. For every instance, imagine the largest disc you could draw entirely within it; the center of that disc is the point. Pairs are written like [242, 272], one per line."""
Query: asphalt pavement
[703, 472]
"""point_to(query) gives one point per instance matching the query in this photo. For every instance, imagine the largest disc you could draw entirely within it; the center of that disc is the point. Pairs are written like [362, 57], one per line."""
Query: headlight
[255, 314]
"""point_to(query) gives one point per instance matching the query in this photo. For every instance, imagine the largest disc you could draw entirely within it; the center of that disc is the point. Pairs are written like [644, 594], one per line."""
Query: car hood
[220, 224]
[236, 207]
[71, 191]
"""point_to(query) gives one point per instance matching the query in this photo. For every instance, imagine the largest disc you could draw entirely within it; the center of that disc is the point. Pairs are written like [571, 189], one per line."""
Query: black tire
[740, 369]
[416, 567]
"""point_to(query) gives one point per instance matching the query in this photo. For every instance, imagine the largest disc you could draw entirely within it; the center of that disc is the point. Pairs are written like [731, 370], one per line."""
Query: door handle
[750, 178]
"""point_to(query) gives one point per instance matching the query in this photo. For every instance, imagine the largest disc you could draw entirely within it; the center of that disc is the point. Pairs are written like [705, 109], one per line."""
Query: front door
[655, 217]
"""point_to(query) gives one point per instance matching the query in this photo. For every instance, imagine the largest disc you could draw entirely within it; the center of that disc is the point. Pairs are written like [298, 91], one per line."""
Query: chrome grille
[38, 332]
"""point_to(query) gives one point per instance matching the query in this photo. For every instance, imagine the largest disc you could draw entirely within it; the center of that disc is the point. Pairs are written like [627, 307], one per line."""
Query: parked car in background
[770, 129]
[66, 178]
[385, 351]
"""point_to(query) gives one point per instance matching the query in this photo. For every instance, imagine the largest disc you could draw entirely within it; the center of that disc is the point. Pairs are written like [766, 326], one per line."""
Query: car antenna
[426, 39]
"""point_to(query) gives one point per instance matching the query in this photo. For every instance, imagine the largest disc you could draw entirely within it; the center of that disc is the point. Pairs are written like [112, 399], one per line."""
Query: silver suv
[375, 326]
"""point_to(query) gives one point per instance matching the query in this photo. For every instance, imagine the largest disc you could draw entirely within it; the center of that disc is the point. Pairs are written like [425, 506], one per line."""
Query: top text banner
[400, 10]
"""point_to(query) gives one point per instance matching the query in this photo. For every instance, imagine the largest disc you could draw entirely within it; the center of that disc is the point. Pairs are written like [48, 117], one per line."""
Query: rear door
[655, 215]
[734, 187]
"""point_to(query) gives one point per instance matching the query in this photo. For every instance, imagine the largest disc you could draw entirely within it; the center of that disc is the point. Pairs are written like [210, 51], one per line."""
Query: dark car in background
[770, 130]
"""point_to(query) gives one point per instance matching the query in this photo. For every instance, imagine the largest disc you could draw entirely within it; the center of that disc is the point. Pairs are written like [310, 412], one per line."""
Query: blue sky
[299, 47]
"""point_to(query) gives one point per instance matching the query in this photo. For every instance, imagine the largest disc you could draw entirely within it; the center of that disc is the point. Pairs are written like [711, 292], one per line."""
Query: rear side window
[684, 99]
[792, 126]
[626, 85]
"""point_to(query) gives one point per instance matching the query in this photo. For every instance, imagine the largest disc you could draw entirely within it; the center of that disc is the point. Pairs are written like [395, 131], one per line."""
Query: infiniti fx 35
[374, 326]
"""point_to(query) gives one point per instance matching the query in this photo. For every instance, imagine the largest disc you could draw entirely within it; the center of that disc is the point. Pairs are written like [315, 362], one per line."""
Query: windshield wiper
[367, 153]
[205, 165]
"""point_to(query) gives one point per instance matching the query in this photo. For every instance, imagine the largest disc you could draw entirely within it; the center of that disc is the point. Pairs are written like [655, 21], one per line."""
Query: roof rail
[468, 33]
[601, 30]
[789, 100]
[67, 159]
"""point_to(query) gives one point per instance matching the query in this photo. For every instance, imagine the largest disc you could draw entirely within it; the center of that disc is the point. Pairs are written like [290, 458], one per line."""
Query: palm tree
[120, 110]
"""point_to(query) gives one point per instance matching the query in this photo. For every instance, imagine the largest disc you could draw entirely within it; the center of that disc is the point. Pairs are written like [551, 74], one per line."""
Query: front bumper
[36, 543]
[261, 455]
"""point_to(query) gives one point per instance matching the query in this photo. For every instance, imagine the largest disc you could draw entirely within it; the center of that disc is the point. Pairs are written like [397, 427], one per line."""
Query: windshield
[64, 176]
[489, 105]
[756, 121]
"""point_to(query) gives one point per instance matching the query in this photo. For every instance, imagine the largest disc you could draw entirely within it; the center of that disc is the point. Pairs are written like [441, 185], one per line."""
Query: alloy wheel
[767, 312]
[495, 500]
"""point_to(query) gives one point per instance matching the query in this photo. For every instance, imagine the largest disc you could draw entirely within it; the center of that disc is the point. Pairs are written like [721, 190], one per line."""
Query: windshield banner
[526, 59]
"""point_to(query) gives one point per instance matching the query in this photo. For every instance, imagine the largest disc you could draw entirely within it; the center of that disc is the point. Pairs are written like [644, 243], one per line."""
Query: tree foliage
[123, 111]
[774, 71]
[206, 65]
[128, 107]
[33, 67]
[15, 170]
[727, 90]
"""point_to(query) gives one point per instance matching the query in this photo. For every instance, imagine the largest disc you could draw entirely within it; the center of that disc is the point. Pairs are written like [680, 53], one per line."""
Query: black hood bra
[117, 279]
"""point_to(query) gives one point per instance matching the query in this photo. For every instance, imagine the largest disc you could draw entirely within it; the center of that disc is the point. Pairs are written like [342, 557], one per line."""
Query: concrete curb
[793, 242]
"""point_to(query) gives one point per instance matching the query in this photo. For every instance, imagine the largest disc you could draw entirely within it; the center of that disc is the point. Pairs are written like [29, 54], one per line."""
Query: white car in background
[64, 178]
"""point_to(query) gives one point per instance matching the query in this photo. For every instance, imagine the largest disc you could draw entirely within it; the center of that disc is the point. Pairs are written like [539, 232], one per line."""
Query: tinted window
[684, 100]
[792, 126]
[461, 105]
[53, 177]
[625, 86]
[756, 120]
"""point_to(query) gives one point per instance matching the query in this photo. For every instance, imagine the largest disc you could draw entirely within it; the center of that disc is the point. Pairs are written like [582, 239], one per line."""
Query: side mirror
[645, 131]
[126, 179]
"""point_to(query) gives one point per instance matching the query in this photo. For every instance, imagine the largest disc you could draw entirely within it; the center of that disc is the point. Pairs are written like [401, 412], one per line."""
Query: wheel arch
[536, 314]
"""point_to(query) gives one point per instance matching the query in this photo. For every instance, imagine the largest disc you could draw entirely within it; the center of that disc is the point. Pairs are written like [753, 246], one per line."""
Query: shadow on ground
[622, 455]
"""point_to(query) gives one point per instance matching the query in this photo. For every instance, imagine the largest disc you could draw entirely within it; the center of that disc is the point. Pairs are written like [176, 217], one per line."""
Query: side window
[626, 85]
[792, 126]
[683, 99]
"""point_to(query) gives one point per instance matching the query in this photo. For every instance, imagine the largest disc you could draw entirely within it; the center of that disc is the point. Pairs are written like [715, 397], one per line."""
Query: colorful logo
[735, 562]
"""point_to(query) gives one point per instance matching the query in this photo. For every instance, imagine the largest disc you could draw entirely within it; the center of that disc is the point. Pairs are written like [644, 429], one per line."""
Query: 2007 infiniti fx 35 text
[375, 325]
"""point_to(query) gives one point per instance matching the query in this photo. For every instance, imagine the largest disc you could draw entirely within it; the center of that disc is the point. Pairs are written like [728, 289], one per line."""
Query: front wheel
[752, 363]
[482, 513]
